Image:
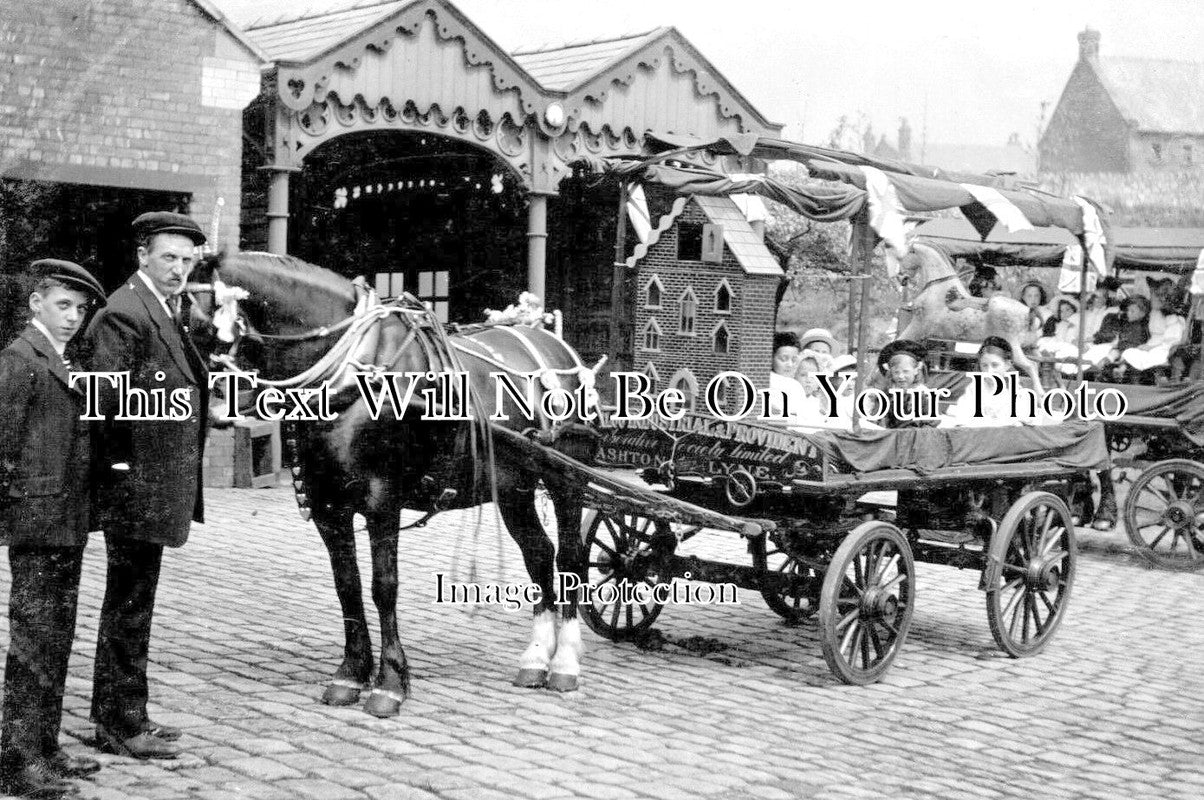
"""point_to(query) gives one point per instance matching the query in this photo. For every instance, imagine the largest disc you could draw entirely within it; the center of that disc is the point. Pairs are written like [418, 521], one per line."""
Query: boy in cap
[148, 473]
[44, 520]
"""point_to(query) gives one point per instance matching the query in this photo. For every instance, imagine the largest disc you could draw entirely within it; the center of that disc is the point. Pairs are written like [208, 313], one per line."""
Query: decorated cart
[991, 500]
[1161, 433]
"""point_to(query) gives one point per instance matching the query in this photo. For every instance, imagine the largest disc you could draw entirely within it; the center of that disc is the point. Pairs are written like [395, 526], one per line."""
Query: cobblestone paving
[248, 629]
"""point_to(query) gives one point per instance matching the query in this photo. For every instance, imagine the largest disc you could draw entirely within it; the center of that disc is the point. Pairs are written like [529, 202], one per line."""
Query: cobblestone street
[734, 705]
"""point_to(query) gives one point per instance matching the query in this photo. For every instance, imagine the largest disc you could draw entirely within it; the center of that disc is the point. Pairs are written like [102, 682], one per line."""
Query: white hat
[842, 362]
[817, 335]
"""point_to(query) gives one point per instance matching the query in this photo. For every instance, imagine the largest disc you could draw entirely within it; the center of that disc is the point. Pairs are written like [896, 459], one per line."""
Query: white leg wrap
[568, 648]
[543, 642]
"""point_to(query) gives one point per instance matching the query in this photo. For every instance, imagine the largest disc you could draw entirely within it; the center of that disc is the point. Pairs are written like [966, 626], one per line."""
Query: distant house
[706, 295]
[1127, 115]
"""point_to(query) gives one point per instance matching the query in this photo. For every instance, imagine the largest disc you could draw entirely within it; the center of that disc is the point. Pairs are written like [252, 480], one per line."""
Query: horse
[301, 325]
[944, 309]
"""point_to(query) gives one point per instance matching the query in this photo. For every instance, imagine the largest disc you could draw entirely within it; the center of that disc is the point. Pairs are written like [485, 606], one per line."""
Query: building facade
[1126, 115]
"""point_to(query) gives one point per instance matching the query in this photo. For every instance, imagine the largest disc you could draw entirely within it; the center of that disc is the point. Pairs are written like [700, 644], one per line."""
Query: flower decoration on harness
[528, 311]
[226, 318]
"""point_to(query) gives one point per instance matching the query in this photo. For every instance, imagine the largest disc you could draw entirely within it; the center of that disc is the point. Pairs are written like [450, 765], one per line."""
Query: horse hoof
[1103, 524]
[531, 678]
[561, 682]
[337, 694]
[382, 704]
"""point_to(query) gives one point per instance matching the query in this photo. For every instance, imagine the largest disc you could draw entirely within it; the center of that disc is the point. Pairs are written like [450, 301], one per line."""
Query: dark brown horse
[301, 325]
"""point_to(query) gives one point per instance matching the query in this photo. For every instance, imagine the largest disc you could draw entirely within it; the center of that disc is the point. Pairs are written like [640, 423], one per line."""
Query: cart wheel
[769, 556]
[1030, 569]
[866, 602]
[1164, 514]
[623, 551]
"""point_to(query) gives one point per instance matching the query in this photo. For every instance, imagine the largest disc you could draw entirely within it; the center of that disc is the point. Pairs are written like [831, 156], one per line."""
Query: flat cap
[153, 222]
[912, 348]
[69, 273]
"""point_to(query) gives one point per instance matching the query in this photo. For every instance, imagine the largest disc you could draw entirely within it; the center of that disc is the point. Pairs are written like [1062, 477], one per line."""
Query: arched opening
[417, 212]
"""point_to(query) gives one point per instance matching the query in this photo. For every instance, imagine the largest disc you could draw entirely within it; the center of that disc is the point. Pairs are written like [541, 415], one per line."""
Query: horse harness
[359, 350]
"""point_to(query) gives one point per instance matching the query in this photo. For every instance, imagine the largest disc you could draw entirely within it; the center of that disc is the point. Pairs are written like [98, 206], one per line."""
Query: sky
[960, 72]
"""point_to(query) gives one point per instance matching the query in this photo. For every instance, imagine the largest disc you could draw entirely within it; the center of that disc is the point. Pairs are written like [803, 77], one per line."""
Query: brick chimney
[1088, 45]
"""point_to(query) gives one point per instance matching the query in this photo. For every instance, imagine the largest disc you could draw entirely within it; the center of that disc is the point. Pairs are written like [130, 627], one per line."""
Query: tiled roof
[745, 245]
[562, 67]
[1158, 94]
[300, 37]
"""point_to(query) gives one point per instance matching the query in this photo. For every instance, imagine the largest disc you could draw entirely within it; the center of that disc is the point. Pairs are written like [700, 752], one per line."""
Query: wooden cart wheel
[623, 551]
[769, 556]
[1030, 570]
[866, 601]
[1164, 514]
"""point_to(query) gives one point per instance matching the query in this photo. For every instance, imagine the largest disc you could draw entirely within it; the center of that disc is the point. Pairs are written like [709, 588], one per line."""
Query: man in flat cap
[44, 520]
[148, 473]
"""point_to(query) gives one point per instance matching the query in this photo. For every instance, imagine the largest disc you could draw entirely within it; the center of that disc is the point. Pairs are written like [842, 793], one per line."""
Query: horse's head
[274, 310]
[923, 264]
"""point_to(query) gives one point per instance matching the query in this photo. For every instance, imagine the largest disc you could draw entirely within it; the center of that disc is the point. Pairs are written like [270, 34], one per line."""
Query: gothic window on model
[686, 384]
[689, 241]
[723, 298]
[720, 339]
[432, 288]
[652, 336]
[652, 374]
[390, 284]
[689, 313]
[652, 297]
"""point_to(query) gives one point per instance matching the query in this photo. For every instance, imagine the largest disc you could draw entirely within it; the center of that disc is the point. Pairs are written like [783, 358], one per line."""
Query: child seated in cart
[786, 394]
[1060, 336]
[902, 362]
[1167, 321]
[1132, 330]
[994, 358]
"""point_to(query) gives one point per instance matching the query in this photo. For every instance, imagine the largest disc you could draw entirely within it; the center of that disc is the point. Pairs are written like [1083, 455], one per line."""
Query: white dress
[1064, 343]
[996, 410]
[781, 386]
[1165, 332]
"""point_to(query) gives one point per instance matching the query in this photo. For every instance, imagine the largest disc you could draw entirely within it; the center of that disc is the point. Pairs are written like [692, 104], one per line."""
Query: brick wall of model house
[126, 93]
[749, 322]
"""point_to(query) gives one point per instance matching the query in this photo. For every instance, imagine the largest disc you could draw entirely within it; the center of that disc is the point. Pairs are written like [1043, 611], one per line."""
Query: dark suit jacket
[160, 494]
[44, 448]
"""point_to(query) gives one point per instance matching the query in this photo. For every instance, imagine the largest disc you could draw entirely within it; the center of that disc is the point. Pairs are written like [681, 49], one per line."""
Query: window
[689, 241]
[1157, 148]
[652, 374]
[685, 383]
[652, 335]
[720, 339]
[390, 284]
[689, 312]
[1189, 156]
[432, 288]
[653, 293]
[723, 298]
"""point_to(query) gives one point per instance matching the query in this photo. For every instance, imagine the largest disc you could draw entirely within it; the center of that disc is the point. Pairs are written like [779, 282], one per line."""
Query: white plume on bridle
[226, 316]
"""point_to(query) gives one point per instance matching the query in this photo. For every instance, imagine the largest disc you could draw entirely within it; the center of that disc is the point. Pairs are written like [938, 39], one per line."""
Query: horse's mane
[288, 279]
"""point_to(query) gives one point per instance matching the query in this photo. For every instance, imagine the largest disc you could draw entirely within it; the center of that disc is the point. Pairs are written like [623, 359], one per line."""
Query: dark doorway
[418, 213]
[89, 225]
